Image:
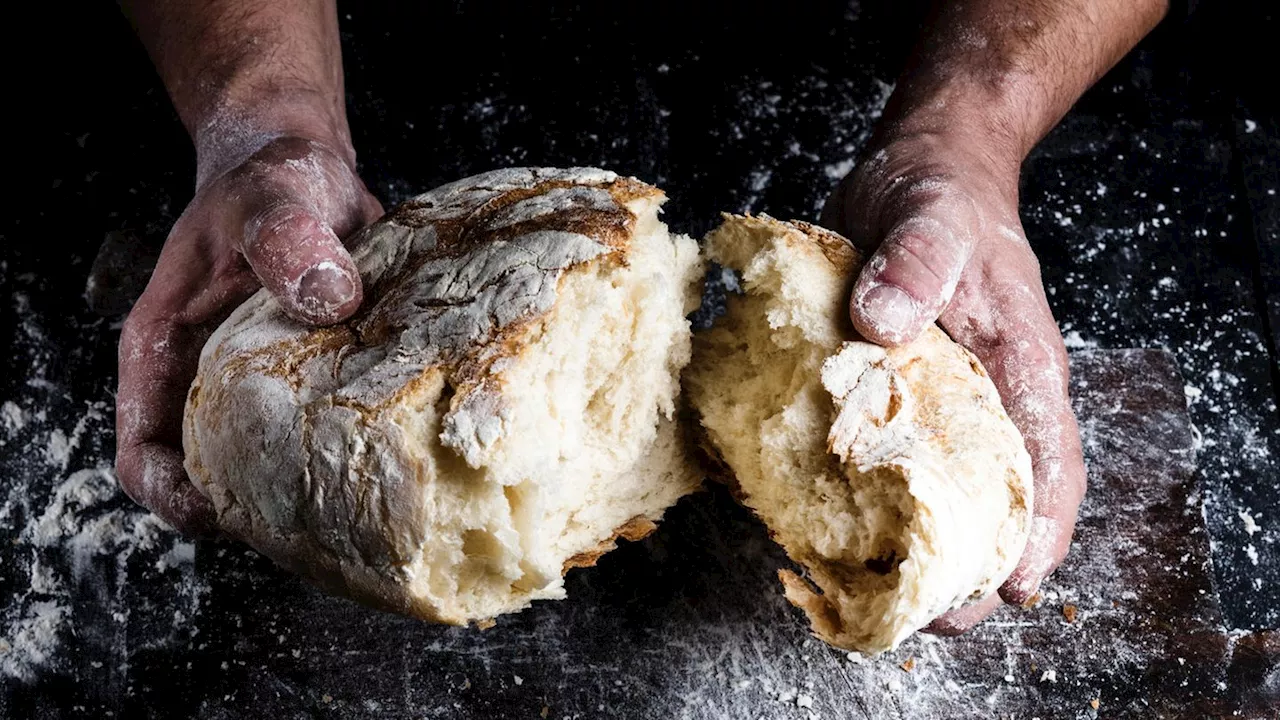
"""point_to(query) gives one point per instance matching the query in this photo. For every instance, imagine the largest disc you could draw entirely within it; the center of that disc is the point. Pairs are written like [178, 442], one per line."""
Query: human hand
[941, 214]
[270, 214]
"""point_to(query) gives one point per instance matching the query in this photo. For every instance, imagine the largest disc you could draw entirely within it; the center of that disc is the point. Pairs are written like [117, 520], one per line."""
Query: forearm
[1006, 71]
[239, 68]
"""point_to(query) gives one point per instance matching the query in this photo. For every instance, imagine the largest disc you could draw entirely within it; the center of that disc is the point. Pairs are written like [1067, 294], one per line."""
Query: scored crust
[456, 283]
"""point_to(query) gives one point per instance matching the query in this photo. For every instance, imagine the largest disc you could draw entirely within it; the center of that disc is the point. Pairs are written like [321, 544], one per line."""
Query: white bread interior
[589, 442]
[894, 478]
[502, 409]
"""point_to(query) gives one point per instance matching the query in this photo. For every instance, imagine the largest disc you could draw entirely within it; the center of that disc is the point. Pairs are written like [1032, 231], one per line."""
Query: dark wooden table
[1153, 207]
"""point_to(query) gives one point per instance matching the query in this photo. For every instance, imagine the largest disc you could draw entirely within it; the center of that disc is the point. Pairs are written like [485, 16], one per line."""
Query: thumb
[911, 277]
[301, 261]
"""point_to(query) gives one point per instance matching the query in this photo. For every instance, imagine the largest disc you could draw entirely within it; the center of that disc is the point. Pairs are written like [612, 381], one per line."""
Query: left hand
[942, 218]
[274, 219]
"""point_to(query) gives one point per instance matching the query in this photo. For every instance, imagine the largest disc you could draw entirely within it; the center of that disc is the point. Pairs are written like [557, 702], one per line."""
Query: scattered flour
[1074, 341]
[1252, 553]
[31, 639]
[1132, 277]
[1250, 525]
[12, 417]
[766, 116]
[67, 531]
[84, 519]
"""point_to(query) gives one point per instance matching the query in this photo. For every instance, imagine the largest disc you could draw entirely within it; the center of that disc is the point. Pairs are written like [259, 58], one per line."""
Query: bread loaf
[499, 411]
[892, 476]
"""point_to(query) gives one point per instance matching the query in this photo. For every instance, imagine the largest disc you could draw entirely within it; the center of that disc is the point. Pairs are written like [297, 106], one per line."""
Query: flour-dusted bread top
[892, 476]
[499, 409]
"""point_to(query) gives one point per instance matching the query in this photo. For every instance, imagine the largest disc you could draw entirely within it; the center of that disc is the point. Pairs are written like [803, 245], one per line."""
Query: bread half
[500, 410]
[892, 476]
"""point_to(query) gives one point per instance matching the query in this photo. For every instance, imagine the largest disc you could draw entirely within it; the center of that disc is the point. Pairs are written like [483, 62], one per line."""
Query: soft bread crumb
[893, 478]
[587, 451]
[501, 409]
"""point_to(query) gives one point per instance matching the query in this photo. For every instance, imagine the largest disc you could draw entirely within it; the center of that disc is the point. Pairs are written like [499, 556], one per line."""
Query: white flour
[763, 111]
[1162, 305]
[83, 520]
[67, 529]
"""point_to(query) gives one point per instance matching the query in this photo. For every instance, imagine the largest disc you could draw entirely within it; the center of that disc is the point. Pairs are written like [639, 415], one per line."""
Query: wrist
[997, 125]
[232, 129]
[1003, 73]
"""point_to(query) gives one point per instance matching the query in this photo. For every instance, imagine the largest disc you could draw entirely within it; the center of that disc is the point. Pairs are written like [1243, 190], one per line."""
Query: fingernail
[324, 288]
[889, 310]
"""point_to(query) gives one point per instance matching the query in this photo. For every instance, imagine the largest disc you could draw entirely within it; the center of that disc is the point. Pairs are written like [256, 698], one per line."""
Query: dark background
[1153, 207]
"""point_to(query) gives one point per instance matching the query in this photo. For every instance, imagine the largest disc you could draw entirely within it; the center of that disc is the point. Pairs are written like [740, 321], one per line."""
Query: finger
[157, 362]
[1032, 374]
[1059, 488]
[954, 622]
[1019, 344]
[296, 200]
[913, 274]
[370, 209]
[153, 475]
[302, 262]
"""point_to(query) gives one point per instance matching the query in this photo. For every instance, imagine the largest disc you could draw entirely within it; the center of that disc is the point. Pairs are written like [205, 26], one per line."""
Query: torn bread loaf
[500, 410]
[893, 476]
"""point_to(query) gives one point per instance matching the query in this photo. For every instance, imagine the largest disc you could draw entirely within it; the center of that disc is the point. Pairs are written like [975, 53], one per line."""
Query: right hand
[274, 218]
[942, 219]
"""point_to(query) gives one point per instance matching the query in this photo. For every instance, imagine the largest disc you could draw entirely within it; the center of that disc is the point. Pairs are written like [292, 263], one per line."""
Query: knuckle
[932, 247]
[901, 172]
[133, 337]
[275, 228]
[182, 227]
[924, 260]
[127, 475]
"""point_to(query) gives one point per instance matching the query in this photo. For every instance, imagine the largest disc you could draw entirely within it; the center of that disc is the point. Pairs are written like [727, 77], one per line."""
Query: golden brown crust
[307, 498]
[637, 528]
[917, 432]
[610, 225]
[838, 250]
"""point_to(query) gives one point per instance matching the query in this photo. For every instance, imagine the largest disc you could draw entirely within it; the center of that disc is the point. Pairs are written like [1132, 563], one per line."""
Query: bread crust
[924, 416]
[298, 435]
[637, 528]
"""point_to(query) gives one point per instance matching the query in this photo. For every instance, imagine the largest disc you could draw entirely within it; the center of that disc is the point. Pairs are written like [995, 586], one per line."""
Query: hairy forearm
[237, 68]
[1008, 70]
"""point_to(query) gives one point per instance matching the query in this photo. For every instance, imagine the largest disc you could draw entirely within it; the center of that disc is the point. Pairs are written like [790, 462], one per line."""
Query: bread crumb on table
[909, 665]
[1069, 612]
